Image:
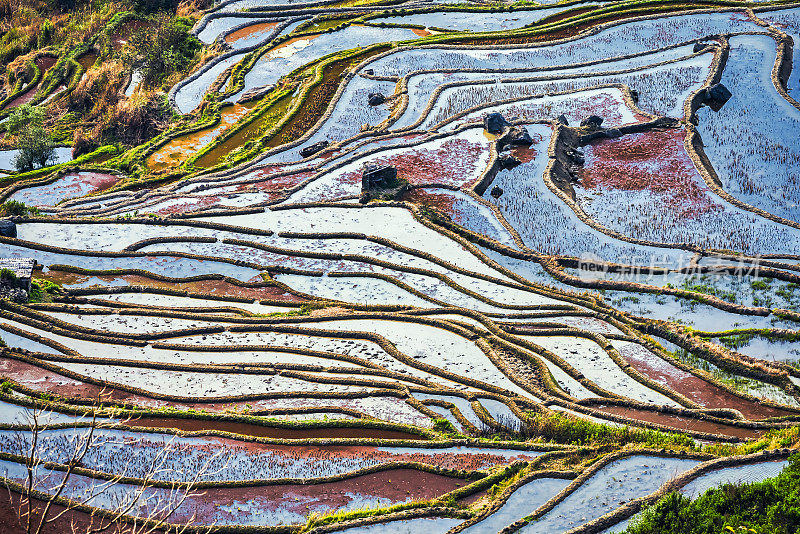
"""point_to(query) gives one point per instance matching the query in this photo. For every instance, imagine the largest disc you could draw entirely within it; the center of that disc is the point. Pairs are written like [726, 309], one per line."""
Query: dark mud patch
[201, 287]
[295, 501]
[247, 31]
[695, 388]
[682, 423]
[47, 381]
[87, 60]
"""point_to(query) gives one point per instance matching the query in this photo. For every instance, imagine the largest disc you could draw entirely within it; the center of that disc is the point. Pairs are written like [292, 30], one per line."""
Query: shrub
[45, 33]
[561, 428]
[98, 89]
[759, 284]
[13, 44]
[43, 290]
[15, 207]
[162, 49]
[82, 143]
[136, 119]
[22, 116]
[36, 147]
[443, 425]
[153, 6]
[771, 506]
[36, 150]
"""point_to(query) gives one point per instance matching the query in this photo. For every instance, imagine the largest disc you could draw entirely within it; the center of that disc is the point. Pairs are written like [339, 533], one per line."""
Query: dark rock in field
[699, 47]
[14, 294]
[369, 72]
[575, 155]
[716, 96]
[378, 176]
[494, 123]
[380, 182]
[664, 122]
[564, 178]
[313, 149]
[507, 160]
[562, 119]
[516, 136]
[376, 99]
[496, 192]
[15, 277]
[255, 93]
[600, 133]
[592, 121]
[519, 137]
[8, 229]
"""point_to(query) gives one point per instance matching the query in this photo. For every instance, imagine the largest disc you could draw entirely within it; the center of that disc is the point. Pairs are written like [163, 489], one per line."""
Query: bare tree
[144, 508]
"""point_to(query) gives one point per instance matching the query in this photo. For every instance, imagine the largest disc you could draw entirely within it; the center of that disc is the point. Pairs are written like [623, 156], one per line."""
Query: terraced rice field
[537, 329]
